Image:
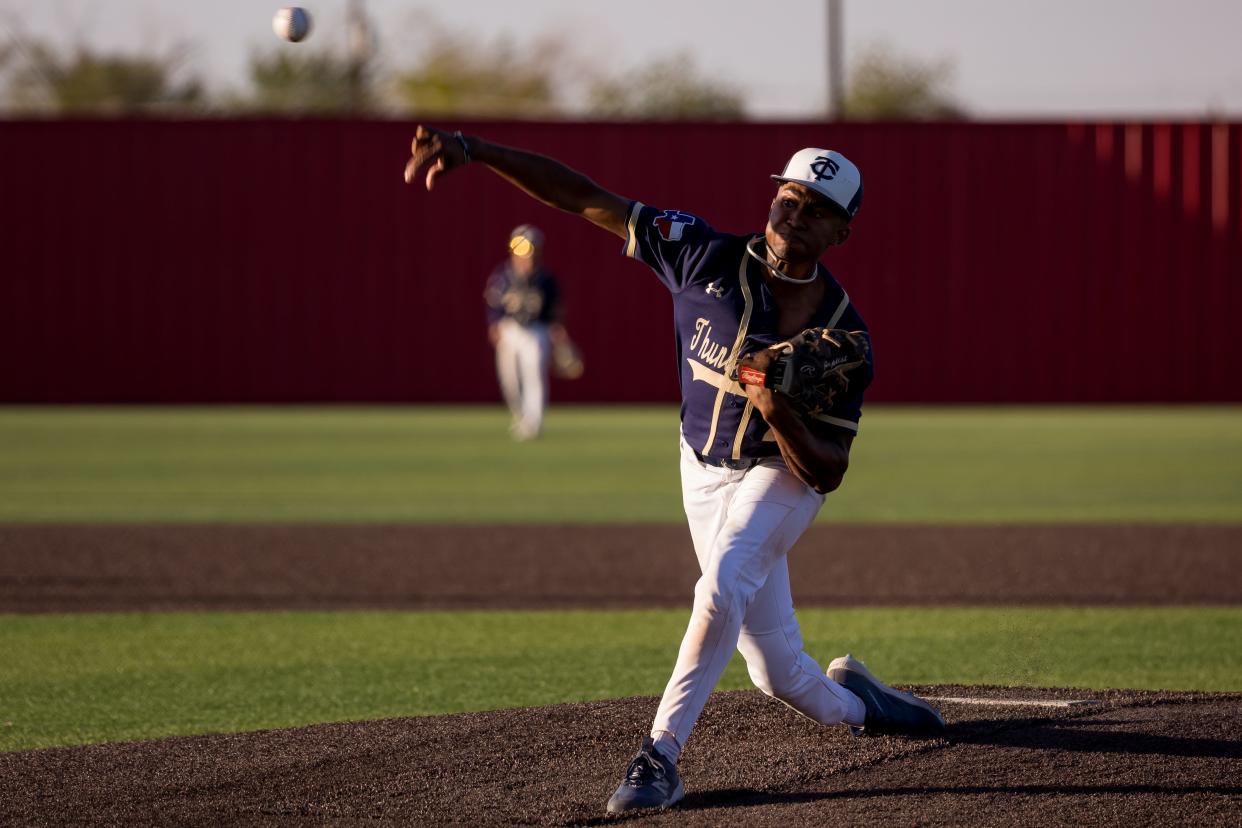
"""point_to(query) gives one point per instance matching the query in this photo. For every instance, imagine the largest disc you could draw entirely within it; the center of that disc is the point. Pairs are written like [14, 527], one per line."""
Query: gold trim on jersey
[741, 429]
[716, 379]
[631, 237]
[749, 301]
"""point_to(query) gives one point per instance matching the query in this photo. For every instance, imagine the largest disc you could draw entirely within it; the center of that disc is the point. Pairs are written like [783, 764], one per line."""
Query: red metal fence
[286, 260]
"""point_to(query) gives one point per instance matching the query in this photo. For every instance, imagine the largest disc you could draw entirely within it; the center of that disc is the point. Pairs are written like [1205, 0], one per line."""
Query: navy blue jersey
[525, 301]
[720, 301]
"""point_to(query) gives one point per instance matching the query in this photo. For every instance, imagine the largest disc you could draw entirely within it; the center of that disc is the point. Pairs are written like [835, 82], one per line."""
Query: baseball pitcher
[774, 360]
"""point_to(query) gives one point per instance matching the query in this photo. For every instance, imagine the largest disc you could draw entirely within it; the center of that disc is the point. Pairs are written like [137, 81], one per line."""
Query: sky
[1012, 59]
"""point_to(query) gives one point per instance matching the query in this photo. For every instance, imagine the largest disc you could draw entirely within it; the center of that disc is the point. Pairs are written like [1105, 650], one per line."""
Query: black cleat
[888, 710]
[651, 781]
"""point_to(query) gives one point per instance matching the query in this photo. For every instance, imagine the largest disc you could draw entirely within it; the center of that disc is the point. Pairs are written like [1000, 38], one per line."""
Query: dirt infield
[1130, 759]
[1125, 758]
[80, 568]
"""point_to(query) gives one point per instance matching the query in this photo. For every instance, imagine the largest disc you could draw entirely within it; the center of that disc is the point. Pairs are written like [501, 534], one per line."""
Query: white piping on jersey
[749, 301]
[832, 323]
[848, 425]
[840, 311]
[631, 241]
[837, 421]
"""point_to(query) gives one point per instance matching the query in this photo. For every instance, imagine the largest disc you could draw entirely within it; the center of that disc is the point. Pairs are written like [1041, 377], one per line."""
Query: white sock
[667, 745]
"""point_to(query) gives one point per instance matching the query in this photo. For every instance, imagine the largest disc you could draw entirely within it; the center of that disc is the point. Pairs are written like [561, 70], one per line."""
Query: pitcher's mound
[1127, 757]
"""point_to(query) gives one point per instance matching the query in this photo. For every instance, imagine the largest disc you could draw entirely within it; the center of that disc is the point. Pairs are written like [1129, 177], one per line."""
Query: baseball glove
[810, 369]
[567, 360]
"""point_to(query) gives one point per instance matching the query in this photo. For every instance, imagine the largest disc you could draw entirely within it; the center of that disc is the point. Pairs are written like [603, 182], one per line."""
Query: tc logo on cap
[823, 163]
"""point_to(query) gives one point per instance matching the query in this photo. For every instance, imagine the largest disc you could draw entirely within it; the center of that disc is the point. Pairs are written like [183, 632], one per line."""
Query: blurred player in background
[524, 323]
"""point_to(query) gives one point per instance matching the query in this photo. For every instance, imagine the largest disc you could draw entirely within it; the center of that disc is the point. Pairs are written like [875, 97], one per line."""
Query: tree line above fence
[447, 73]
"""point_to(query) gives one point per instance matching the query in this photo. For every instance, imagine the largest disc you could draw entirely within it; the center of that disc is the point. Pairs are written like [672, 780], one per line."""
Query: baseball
[292, 23]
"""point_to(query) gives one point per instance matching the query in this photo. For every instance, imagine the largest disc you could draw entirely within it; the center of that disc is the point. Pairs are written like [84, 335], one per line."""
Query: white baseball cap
[828, 173]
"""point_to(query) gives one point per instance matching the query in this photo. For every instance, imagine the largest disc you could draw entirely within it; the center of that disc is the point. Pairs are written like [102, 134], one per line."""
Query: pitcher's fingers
[421, 136]
[434, 173]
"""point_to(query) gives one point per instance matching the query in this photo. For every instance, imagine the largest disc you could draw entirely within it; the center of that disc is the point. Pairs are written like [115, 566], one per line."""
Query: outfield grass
[610, 464]
[74, 679]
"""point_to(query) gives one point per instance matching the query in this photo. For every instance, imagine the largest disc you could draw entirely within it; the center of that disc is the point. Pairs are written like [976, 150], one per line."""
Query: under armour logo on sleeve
[670, 223]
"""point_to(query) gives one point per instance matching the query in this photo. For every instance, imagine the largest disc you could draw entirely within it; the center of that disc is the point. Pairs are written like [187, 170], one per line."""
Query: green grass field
[71, 679]
[614, 464]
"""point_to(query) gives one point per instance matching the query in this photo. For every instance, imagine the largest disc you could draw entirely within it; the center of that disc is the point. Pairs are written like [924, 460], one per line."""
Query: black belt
[728, 462]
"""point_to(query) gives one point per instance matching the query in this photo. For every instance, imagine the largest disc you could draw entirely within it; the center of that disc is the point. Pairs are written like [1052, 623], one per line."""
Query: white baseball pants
[743, 523]
[522, 356]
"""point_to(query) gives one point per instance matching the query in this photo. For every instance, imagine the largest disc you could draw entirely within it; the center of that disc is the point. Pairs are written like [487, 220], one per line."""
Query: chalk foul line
[1013, 702]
